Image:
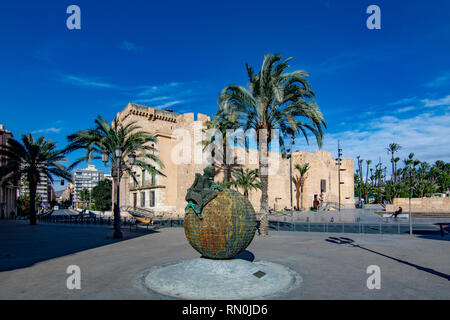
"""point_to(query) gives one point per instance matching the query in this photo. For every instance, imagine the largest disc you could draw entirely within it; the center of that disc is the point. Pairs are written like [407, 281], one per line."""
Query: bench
[144, 221]
[388, 215]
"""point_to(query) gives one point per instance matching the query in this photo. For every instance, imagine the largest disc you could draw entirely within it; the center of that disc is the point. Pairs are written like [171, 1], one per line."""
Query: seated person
[396, 213]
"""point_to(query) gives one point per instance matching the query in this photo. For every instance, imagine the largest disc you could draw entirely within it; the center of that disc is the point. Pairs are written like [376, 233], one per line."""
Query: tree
[246, 180]
[221, 123]
[407, 170]
[84, 194]
[101, 194]
[106, 138]
[299, 182]
[274, 100]
[23, 203]
[392, 149]
[368, 162]
[34, 159]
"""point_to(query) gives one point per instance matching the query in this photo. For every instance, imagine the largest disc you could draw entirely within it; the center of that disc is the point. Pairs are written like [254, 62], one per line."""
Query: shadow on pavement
[348, 241]
[434, 235]
[22, 245]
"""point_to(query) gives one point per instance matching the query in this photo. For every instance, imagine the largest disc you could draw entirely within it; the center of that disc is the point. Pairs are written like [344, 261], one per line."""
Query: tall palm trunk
[393, 167]
[114, 190]
[33, 187]
[301, 199]
[264, 177]
[227, 175]
[367, 174]
[395, 172]
[297, 197]
[116, 207]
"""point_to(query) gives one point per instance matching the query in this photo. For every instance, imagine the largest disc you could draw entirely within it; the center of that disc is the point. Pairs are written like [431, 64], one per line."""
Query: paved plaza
[34, 259]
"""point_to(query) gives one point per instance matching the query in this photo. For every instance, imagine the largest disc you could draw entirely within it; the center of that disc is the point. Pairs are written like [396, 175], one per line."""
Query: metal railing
[275, 225]
[347, 227]
[125, 221]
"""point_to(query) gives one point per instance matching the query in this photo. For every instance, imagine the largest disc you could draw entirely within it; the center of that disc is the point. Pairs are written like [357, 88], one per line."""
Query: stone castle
[164, 195]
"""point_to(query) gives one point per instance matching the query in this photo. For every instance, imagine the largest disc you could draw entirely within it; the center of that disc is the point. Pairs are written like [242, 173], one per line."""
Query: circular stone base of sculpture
[220, 279]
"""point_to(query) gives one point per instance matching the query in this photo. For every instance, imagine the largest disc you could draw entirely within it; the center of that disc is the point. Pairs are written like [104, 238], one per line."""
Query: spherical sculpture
[226, 226]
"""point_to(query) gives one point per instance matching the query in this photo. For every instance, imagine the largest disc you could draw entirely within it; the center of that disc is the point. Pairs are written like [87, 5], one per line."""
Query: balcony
[145, 186]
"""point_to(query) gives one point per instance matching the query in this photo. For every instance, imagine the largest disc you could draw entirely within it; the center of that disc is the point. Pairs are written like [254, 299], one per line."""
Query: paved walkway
[33, 262]
[349, 216]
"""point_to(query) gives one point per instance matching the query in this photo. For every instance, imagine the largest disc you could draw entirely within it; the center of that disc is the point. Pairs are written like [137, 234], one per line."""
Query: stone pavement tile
[411, 268]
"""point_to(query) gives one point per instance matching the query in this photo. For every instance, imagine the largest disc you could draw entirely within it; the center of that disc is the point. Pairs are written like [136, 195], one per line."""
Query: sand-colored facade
[421, 205]
[165, 194]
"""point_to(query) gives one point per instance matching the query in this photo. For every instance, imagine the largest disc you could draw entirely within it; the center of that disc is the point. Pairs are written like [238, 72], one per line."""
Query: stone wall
[178, 177]
[424, 205]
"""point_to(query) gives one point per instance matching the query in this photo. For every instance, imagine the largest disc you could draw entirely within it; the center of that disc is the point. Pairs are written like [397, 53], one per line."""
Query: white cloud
[151, 99]
[53, 130]
[439, 81]
[426, 135]
[168, 104]
[403, 101]
[85, 82]
[405, 109]
[438, 102]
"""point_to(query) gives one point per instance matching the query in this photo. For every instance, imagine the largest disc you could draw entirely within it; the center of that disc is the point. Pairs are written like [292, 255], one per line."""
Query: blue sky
[373, 86]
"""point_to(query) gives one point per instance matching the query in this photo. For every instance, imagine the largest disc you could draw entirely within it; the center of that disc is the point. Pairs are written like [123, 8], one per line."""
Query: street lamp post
[118, 165]
[289, 156]
[338, 163]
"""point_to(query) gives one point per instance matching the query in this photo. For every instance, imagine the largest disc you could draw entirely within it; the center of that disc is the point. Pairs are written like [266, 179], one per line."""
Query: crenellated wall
[170, 189]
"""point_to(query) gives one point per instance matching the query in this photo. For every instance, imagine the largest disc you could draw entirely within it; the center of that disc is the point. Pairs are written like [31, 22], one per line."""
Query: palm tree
[441, 174]
[299, 182]
[397, 172]
[368, 162]
[246, 179]
[415, 164]
[407, 170]
[222, 123]
[33, 160]
[106, 138]
[392, 149]
[274, 100]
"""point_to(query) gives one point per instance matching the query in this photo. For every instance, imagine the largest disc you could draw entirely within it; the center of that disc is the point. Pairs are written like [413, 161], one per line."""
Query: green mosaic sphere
[227, 228]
